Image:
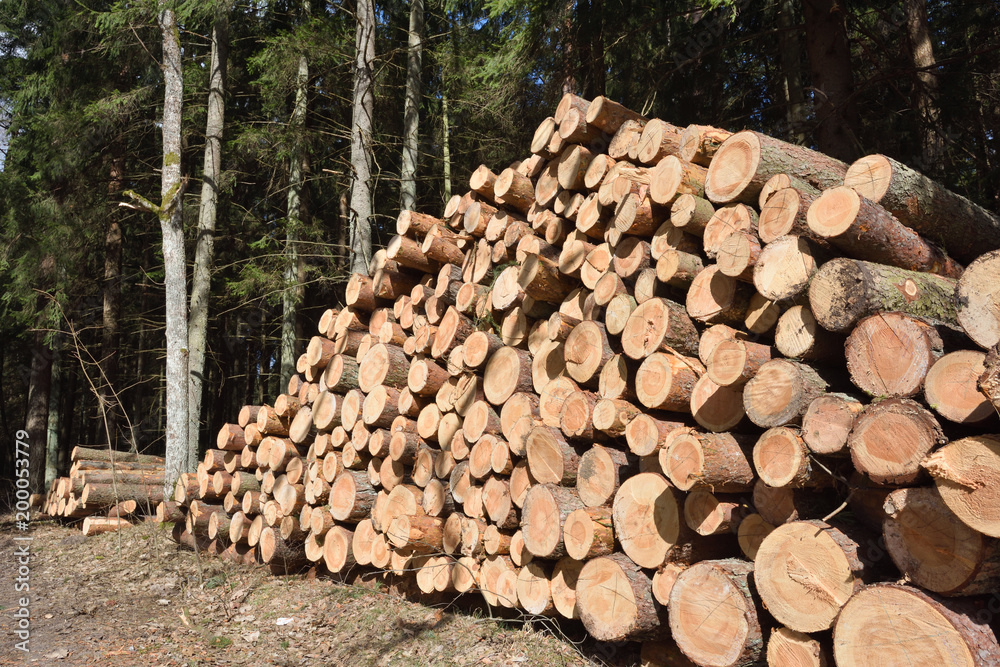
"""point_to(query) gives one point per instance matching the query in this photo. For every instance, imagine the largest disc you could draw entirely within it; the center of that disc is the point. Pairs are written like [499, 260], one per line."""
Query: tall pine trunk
[446, 143]
[204, 249]
[292, 293]
[411, 108]
[361, 138]
[569, 56]
[53, 421]
[921, 48]
[791, 69]
[111, 330]
[37, 418]
[832, 78]
[175, 279]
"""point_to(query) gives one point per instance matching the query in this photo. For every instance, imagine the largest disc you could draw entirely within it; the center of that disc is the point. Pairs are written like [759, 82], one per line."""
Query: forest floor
[136, 598]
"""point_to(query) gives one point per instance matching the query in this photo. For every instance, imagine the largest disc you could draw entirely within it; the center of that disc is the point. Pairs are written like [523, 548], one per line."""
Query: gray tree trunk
[175, 278]
[361, 139]
[292, 293]
[37, 417]
[411, 111]
[791, 67]
[111, 328]
[204, 250]
[52, 429]
[445, 144]
[922, 54]
[829, 50]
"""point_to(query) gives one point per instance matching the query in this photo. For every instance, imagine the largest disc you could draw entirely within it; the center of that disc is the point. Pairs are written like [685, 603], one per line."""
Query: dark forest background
[81, 95]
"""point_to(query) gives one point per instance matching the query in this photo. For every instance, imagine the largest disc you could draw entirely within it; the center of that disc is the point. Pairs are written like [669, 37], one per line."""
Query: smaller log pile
[710, 391]
[107, 489]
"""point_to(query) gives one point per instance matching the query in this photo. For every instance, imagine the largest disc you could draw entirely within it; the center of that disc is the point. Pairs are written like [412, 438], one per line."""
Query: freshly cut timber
[706, 514]
[934, 550]
[789, 648]
[805, 572]
[950, 387]
[798, 336]
[869, 232]
[845, 290]
[966, 472]
[738, 254]
[589, 533]
[715, 298]
[828, 422]
[976, 296]
[507, 372]
[609, 115]
[546, 507]
[727, 221]
[735, 362]
[715, 407]
[785, 213]
[586, 351]
[672, 177]
[784, 267]
[781, 392]
[550, 457]
[600, 473]
[891, 438]
[716, 461]
[666, 381]
[713, 614]
[691, 214]
[645, 434]
[647, 519]
[890, 624]
[781, 459]
[614, 600]
[699, 143]
[746, 160]
[890, 354]
[658, 324]
[926, 206]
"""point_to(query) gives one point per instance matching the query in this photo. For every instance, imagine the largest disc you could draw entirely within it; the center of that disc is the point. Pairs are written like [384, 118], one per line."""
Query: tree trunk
[921, 51]
[832, 78]
[201, 276]
[411, 111]
[52, 431]
[445, 144]
[111, 336]
[178, 457]
[37, 417]
[361, 138]
[791, 66]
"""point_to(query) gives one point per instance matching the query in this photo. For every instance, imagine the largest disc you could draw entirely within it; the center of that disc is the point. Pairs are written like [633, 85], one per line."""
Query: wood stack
[707, 390]
[107, 489]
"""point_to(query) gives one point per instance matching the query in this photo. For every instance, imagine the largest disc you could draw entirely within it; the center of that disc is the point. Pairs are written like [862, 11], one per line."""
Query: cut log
[700, 143]
[96, 525]
[738, 254]
[647, 519]
[609, 115]
[351, 496]
[658, 324]
[785, 213]
[735, 362]
[667, 381]
[784, 268]
[706, 514]
[615, 602]
[658, 140]
[828, 421]
[713, 614]
[891, 438]
[646, 434]
[751, 533]
[890, 354]
[714, 461]
[799, 336]
[805, 572]
[781, 458]
[789, 648]
[600, 472]
[691, 214]
[975, 297]
[891, 624]
[934, 550]
[383, 365]
[453, 329]
[950, 387]
[966, 472]
[551, 459]
[746, 160]
[715, 298]
[926, 206]
[546, 507]
[673, 177]
[612, 416]
[338, 549]
[507, 372]
[781, 392]
[727, 221]
[715, 407]
[868, 232]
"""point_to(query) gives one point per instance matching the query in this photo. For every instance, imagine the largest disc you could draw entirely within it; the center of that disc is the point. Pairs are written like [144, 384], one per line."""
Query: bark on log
[715, 461]
[966, 472]
[951, 387]
[781, 392]
[615, 602]
[891, 438]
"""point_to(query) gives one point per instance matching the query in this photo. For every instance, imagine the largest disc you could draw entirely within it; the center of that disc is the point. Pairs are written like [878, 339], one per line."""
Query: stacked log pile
[107, 489]
[710, 391]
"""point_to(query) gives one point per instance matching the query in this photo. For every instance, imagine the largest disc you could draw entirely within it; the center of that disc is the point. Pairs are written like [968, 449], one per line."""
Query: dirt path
[136, 599]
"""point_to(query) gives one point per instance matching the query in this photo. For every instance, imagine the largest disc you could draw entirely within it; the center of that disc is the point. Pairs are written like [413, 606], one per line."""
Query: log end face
[833, 212]
[733, 167]
[870, 177]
